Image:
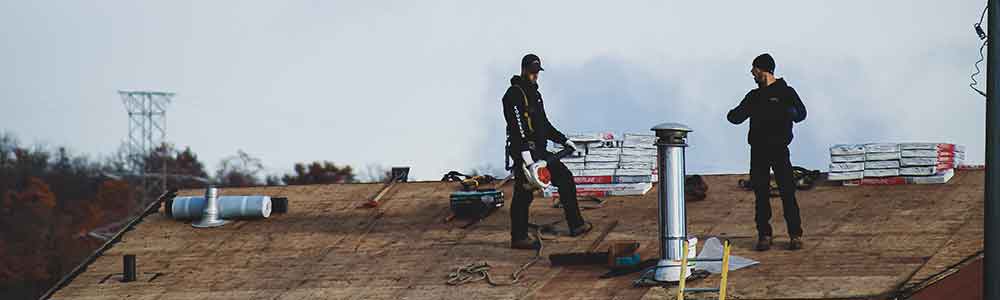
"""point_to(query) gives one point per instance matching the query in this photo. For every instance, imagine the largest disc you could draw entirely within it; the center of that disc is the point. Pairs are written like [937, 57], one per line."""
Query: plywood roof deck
[861, 243]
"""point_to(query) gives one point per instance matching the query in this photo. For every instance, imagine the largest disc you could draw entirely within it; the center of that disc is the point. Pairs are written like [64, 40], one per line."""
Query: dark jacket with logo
[771, 110]
[528, 129]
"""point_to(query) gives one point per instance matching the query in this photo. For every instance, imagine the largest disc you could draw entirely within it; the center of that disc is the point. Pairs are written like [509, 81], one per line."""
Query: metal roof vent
[670, 144]
[210, 218]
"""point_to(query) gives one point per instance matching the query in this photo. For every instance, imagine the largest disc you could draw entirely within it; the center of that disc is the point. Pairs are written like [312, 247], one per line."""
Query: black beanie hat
[764, 62]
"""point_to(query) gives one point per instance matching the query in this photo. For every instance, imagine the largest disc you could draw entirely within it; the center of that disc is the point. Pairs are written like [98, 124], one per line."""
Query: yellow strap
[725, 271]
[527, 117]
[683, 275]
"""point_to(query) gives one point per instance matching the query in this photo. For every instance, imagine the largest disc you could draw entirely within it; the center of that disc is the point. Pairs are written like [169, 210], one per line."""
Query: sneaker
[525, 244]
[763, 243]
[795, 243]
[581, 230]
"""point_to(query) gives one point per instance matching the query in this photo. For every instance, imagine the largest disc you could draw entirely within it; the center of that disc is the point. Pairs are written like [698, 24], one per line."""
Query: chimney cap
[671, 126]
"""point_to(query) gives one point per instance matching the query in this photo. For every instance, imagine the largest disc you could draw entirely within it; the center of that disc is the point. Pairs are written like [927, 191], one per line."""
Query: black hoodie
[771, 110]
[528, 129]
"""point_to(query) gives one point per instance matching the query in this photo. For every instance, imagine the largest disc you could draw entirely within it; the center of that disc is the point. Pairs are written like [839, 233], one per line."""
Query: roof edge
[150, 209]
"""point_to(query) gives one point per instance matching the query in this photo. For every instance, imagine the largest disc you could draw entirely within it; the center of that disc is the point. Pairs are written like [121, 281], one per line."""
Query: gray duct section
[230, 207]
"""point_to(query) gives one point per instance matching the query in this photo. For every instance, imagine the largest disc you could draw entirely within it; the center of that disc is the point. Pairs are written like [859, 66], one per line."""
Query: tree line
[55, 204]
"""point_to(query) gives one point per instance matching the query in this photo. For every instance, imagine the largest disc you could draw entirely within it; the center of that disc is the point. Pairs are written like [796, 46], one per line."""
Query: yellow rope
[481, 271]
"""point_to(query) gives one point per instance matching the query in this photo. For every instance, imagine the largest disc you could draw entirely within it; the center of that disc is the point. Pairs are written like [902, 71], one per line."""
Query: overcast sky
[418, 83]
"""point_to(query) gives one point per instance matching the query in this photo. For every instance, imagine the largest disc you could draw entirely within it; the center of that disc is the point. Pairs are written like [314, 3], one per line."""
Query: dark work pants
[762, 160]
[519, 208]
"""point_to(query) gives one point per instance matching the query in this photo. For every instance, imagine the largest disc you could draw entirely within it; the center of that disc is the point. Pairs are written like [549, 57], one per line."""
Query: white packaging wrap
[634, 140]
[881, 172]
[605, 151]
[847, 158]
[918, 161]
[840, 176]
[639, 152]
[847, 149]
[939, 178]
[881, 148]
[882, 156]
[645, 159]
[918, 146]
[919, 153]
[602, 158]
[637, 165]
[592, 165]
[882, 164]
[634, 172]
[918, 171]
[596, 172]
[847, 167]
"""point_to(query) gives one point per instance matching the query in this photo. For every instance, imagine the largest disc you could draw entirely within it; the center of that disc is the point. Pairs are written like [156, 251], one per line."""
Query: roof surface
[863, 242]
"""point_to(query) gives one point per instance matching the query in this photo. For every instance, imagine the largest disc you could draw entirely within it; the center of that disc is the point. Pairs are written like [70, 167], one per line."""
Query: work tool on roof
[471, 201]
[469, 182]
[398, 174]
[537, 173]
[591, 256]
[481, 270]
[805, 179]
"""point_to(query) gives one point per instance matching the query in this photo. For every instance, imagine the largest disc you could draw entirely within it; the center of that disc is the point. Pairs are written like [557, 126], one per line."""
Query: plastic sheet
[712, 249]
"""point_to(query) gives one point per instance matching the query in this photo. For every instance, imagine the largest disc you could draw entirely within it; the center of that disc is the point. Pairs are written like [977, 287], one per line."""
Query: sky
[418, 83]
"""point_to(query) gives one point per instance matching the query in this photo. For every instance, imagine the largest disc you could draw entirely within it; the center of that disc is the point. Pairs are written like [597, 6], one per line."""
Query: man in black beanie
[772, 109]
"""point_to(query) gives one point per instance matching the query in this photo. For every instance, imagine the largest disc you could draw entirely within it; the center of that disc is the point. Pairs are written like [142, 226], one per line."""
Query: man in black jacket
[772, 109]
[528, 131]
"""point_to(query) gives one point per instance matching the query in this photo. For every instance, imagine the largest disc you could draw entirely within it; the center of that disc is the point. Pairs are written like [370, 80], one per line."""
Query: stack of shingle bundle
[847, 162]
[881, 160]
[606, 166]
[890, 164]
[928, 159]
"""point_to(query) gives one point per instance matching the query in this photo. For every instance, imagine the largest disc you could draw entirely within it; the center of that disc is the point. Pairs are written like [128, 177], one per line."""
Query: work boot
[527, 243]
[795, 243]
[763, 243]
[581, 230]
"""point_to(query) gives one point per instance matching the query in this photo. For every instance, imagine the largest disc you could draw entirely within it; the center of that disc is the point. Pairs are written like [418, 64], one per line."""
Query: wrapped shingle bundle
[611, 167]
[847, 162]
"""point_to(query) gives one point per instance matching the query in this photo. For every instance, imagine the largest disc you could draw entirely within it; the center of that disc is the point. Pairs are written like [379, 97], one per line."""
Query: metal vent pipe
[210, 218]
[670, 145]
[128, 272]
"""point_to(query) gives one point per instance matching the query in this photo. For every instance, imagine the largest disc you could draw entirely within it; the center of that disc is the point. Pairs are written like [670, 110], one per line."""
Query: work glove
[570, 144]
[526, 155]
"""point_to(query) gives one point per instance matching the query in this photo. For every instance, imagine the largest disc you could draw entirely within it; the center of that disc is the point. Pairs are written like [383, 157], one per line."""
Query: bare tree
[239, 170]
[376, 173]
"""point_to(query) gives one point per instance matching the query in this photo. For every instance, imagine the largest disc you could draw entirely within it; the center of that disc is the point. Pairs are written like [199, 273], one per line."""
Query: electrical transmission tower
[147, 129]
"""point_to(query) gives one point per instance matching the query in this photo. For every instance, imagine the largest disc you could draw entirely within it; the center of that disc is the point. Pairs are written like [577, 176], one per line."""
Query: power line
[982, 36]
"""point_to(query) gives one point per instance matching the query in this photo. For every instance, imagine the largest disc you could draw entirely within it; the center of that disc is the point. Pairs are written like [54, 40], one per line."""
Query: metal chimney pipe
[670, 144]
[128, 262]
[211, 216]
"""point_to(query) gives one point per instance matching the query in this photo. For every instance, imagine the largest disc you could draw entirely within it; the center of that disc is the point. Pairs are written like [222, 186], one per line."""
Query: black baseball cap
[532, 63]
